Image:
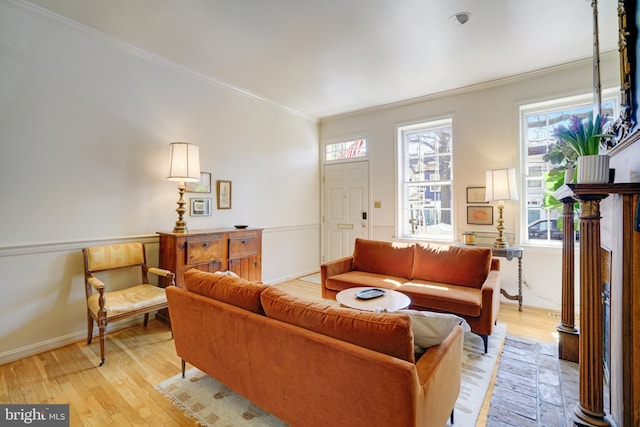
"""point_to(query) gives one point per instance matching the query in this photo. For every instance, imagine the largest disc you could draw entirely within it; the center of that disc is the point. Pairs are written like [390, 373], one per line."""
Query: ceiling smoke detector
[459, 18]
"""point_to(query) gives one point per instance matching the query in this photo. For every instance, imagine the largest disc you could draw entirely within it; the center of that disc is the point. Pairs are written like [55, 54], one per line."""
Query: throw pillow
[227, 273]
[431, 328]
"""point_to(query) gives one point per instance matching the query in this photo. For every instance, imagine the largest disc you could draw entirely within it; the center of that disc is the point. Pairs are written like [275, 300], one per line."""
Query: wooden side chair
[104, 305]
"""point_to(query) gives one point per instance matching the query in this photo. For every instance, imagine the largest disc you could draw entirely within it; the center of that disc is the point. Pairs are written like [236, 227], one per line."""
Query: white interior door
[346, 207]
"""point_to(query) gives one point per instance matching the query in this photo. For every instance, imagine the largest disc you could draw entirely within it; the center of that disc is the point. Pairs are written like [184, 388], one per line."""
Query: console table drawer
[242, 246]
[204, 249]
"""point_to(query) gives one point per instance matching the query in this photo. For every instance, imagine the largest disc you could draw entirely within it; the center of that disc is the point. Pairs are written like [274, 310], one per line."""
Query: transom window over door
[425, 180]
[345, 150]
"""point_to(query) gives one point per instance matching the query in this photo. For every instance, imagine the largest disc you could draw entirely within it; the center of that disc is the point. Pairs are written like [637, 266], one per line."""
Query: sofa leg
[485, 340]
[452, 423]
[184, 364]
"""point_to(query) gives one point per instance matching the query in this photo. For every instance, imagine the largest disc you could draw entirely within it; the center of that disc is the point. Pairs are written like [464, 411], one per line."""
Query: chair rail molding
[72, 245]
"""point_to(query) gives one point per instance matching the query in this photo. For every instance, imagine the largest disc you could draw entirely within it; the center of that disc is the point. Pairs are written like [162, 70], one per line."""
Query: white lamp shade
[184, 162]
[501, 185]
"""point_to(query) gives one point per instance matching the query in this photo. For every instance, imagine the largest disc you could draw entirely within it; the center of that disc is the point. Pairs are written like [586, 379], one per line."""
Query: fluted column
[590, 410]
[568, 343]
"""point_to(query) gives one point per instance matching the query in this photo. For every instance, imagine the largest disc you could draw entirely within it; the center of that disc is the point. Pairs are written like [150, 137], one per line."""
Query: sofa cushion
[392, 259]
[431, 328]
[387, 333]
[451, 264]
[444, 297]
[226, 288]
[352, 279]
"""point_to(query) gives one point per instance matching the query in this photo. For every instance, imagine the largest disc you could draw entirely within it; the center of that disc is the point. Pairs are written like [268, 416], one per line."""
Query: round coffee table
[390, 301]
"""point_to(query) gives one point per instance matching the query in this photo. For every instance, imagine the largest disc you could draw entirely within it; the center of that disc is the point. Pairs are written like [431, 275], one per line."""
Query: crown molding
[489, 84]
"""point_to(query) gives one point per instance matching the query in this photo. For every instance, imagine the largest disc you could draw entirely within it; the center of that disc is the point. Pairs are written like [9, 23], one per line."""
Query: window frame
[402, 184]
[548, 107]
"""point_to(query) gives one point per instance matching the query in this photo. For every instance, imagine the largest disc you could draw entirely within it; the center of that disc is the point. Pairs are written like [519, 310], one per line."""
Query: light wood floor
[122, 391]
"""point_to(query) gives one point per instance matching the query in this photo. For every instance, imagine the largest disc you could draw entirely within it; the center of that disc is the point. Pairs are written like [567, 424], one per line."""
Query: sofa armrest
[491, 296]
[338, 266]
[440, 375]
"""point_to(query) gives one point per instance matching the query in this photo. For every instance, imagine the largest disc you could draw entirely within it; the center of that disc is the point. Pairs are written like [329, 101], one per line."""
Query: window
[538, 126]
[346, 150]
[425, 165]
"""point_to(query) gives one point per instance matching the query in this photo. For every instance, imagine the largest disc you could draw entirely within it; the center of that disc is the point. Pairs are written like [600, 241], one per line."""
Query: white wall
[486, 136]
[85, 127]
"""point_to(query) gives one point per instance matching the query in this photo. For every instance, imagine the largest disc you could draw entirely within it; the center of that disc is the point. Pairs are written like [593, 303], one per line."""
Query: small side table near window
[509, 253]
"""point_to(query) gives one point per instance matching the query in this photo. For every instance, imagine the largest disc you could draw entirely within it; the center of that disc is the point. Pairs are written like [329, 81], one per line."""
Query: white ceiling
[326, 57]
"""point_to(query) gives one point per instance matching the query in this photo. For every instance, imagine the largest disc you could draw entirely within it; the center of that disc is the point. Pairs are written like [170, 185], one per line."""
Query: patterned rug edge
[469, 406]
[482, 418]
[185, 409]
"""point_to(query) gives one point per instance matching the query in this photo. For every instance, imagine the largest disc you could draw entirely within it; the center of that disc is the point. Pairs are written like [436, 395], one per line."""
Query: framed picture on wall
[200, 207]
[476, 195]
[203, 186]
[224, 194]
[481, 215]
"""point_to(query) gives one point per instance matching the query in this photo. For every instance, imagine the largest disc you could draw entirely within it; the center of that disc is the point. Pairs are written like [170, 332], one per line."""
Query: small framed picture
[476, 195]
[481, 215]
[224, 194]
[203, 186]
[200, 207]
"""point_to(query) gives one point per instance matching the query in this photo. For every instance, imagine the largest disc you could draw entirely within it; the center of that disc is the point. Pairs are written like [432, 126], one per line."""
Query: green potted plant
[585, 137]
[582, 140]
[563, 158]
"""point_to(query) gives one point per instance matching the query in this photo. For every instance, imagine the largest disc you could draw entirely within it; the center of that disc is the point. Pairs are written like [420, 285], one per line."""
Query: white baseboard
[40, 347]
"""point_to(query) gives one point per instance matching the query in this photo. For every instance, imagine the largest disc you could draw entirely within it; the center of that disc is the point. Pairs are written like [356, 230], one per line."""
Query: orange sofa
[450, 279]
[312, 363]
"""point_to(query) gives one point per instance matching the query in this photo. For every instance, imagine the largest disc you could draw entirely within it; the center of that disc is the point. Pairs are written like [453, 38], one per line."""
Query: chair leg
[452, 417]
[89, 329]
[184, 365]
[103, 339]
[146, 319]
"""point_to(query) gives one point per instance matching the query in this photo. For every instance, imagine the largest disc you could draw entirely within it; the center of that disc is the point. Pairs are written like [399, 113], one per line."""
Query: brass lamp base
[181, 224]
[501, 241]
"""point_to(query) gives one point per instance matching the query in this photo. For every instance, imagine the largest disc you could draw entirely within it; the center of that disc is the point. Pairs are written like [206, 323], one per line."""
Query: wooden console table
[509, 253]
[239, 251]
[235, 250]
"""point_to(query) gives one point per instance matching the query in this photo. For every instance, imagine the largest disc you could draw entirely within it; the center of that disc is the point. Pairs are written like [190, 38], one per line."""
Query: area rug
[533, 387]
[478, 368]
[212, 404]
[312, 278]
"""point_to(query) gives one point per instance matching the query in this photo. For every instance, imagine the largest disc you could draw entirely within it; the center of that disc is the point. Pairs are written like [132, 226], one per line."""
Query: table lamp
[501, 186]
[184, 166]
